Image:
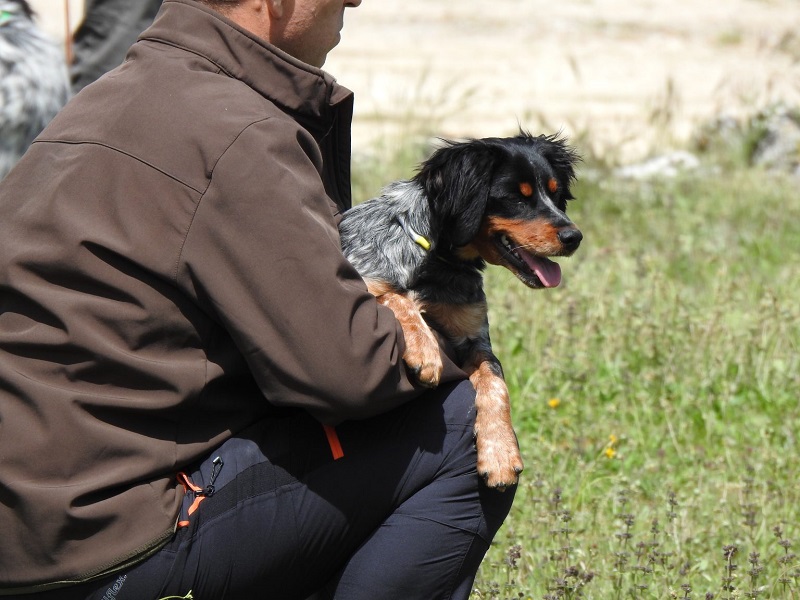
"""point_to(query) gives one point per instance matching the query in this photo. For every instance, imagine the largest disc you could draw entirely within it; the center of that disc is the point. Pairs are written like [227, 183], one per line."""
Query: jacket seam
[124, 153]
[220, 68]
[137, 556]
[203, 195]
[296, 113]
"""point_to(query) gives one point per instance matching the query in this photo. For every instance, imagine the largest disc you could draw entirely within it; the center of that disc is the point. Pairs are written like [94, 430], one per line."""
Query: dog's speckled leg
[422, 354]
[499, 459]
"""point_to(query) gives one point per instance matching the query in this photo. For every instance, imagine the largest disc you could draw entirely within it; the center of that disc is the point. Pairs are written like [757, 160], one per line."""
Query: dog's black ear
[456, 181]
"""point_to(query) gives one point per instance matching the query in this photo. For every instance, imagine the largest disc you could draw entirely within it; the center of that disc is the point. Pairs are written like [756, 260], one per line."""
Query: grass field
[655, 393]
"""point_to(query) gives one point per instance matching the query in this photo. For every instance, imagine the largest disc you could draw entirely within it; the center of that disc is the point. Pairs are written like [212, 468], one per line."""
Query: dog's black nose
[570, 238]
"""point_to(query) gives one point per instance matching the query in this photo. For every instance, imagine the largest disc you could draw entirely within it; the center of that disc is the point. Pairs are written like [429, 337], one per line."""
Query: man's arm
[264, 253]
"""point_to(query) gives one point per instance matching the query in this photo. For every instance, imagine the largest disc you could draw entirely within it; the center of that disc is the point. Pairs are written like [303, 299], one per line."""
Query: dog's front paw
[423, 356]
[499, 459]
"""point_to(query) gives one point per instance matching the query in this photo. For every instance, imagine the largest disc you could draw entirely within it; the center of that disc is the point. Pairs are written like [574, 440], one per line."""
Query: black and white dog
[421, 247]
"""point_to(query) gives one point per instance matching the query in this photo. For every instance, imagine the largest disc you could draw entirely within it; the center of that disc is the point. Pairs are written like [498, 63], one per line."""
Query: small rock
[666, 165]
[779, 146]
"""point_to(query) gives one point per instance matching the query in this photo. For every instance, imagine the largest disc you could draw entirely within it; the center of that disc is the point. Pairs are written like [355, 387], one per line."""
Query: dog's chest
[451, 300]
[457, 321]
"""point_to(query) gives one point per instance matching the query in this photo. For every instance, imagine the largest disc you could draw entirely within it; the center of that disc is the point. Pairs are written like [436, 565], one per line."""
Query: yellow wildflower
[610, 451]
[553, 402]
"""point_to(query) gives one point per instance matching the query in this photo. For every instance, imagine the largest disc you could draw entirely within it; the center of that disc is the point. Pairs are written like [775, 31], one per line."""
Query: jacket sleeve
[263, 252]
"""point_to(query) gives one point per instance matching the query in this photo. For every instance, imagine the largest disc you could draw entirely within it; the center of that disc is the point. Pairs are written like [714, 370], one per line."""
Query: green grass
[655, 395]
[672, 349]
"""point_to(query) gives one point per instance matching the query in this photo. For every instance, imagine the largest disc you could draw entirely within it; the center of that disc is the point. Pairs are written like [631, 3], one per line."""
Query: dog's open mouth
[533, 270]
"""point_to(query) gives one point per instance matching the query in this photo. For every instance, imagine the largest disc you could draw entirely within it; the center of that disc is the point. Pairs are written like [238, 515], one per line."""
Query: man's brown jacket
[170, 272]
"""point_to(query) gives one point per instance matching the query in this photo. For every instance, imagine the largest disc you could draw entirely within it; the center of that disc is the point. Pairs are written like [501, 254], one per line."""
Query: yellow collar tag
[421, 241]
[418, 238]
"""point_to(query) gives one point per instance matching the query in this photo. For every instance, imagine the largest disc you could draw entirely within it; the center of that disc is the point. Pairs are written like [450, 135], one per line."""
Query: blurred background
[655, 392]
[633, 74]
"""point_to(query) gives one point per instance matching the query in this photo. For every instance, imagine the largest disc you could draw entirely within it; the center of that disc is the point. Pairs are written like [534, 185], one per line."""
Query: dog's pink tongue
[548, 272]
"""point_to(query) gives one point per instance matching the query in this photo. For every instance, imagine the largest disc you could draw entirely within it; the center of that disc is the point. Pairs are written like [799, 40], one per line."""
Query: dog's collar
[417, 238]
[425, 243]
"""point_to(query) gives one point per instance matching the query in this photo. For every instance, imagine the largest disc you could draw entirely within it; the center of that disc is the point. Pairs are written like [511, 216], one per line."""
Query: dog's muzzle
[570, 239]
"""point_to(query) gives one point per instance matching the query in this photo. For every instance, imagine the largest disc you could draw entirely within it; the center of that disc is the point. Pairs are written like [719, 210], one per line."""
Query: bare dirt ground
[609, 68]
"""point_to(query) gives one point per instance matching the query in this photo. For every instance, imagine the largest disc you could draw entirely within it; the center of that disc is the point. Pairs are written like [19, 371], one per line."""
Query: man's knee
[458, 404]
[459, 411]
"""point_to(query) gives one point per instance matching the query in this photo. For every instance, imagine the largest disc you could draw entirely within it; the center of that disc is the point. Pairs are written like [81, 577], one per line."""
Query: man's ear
[275, 8]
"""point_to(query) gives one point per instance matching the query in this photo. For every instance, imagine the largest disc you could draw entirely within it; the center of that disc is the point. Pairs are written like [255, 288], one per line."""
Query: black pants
[402, 515]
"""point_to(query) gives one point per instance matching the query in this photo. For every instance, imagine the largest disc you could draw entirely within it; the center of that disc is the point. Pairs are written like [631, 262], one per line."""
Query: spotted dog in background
[34, 83]
[422, 247]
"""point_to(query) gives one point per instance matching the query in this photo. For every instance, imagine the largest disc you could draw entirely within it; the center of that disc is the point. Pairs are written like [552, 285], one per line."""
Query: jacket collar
[303, 90]
[310, 95]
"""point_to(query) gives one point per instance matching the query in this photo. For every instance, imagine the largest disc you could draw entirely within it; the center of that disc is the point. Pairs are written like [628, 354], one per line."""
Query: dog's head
[504, 201]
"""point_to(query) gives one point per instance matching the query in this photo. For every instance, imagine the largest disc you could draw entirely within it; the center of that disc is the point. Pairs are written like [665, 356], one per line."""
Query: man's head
[305, 29]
